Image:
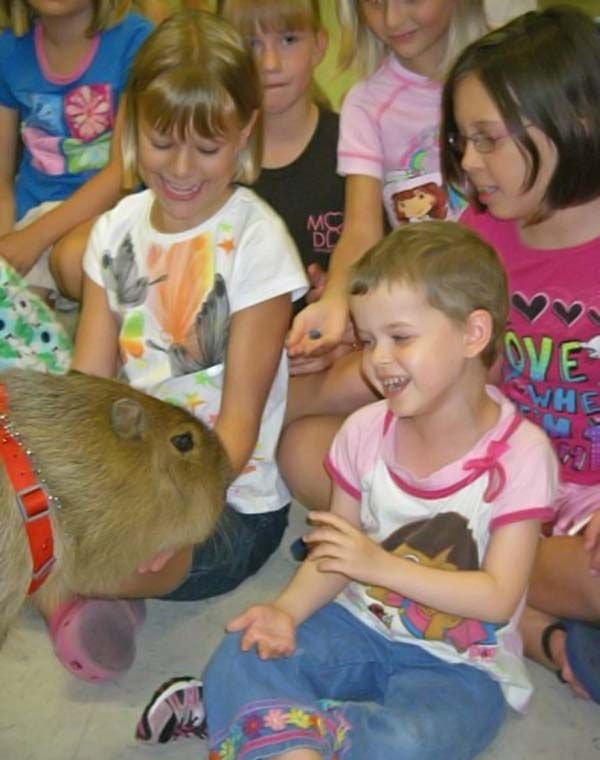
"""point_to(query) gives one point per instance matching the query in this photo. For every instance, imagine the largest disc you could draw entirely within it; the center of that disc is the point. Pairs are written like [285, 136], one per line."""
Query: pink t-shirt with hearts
[551, 367]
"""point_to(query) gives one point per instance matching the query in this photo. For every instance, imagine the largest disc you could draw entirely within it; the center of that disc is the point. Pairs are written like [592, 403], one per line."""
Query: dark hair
[447, 530]
[458, 272]
[542, 69]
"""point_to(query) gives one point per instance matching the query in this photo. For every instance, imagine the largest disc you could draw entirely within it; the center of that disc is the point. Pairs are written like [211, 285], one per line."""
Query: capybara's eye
[183, 442]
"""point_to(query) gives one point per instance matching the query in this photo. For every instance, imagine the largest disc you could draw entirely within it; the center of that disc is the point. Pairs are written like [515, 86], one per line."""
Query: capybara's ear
[127, 419]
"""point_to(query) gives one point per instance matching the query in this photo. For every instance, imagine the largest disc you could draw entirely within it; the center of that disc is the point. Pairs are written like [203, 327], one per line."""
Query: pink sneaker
[95, 638]
[175, 711]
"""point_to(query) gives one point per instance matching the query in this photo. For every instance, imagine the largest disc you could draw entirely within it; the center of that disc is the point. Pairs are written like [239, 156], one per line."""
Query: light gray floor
[46, 714]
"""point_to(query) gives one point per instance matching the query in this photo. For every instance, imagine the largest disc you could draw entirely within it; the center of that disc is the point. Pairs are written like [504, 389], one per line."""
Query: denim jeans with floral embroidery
[347, 692]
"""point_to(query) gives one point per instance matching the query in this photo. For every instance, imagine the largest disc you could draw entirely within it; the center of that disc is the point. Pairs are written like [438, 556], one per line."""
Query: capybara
[129, 476]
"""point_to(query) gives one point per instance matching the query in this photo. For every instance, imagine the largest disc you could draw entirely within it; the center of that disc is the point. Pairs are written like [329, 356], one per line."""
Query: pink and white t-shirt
[445, 520]
[389, 130]
[551, 367]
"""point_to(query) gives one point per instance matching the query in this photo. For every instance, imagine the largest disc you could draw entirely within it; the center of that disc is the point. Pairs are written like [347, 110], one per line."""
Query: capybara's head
[133, 475]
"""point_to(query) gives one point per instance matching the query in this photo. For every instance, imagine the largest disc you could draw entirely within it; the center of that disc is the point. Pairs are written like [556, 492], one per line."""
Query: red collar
[31, 497]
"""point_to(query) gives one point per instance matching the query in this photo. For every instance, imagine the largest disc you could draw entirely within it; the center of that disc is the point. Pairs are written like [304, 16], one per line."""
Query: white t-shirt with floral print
[174, 294]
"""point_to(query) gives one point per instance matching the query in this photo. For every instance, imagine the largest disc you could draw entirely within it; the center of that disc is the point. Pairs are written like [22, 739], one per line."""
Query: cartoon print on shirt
[428, 201]
[444, 542]
[417, 183]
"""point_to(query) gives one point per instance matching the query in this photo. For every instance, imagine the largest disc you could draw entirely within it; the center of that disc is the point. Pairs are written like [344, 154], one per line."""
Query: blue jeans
[347, 692]
[239, 547]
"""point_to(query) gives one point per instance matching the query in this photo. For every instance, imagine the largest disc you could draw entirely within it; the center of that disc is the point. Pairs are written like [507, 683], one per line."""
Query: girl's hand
[304, 365]
[272, 631]
[338, 547]
[318, 328]
[19, 250]
[591, 542]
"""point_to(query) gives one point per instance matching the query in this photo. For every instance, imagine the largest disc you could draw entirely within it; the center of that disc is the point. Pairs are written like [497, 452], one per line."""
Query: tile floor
[46, 714]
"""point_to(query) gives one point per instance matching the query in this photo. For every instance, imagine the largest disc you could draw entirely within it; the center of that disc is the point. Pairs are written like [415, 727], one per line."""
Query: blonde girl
[63, 102]
[388, 137]
[187, 294]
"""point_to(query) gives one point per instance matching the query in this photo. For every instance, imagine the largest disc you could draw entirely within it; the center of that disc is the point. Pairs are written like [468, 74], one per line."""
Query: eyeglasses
[481, 142]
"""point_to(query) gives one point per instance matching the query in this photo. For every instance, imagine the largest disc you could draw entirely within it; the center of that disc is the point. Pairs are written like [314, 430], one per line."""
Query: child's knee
[226, 665]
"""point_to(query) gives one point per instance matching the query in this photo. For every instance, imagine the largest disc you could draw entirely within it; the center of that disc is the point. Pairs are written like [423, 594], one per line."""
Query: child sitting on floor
[439, 493]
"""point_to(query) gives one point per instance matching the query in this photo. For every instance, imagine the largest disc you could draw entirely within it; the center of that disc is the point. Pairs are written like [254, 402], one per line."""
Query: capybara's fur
[134, 476]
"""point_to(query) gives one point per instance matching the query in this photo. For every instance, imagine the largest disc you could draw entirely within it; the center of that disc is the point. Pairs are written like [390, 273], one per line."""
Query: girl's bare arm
[96, 346]
[363, 227]
[254, 349]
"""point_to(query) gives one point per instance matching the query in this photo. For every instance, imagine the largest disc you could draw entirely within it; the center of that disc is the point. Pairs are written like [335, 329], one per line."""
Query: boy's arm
[310, 589]
[363, 227]
[271, 627]
[491, 593]
[23, 247]
[9, 131]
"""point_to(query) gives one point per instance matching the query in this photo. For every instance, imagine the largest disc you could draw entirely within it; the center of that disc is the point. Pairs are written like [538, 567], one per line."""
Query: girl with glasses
[522, 129]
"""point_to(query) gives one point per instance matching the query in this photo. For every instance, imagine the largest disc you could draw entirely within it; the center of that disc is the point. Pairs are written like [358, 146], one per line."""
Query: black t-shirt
[309, 194]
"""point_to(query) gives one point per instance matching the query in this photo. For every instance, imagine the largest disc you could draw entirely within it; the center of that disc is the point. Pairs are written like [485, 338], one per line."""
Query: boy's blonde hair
[194, 72]
[271, 15]
[362, 50]
[456, 269]
[18, 15]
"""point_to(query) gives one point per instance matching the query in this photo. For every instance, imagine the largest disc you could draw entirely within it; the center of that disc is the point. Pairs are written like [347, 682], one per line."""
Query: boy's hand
[591, 542]
[338, 547]
[272, 631]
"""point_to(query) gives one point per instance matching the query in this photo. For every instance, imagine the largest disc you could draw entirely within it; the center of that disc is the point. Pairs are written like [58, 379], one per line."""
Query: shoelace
[189, 724]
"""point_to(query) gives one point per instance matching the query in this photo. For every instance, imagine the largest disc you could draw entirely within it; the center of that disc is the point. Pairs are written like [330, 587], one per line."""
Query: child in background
[63, 67]
[388, 132]
[439, 494]
[187, 294]
[522, 126]
[298, 177]
[388, 150]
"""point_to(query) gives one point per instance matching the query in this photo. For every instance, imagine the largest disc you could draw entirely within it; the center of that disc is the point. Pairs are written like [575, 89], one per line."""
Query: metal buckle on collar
[43, 511]
[43, 570]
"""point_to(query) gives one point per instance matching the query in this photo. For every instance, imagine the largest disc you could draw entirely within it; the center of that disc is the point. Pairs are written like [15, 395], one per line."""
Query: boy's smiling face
[413, 354]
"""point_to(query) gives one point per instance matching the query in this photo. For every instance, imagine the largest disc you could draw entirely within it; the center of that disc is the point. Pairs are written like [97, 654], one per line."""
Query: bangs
[185, 100]
[273, 15]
